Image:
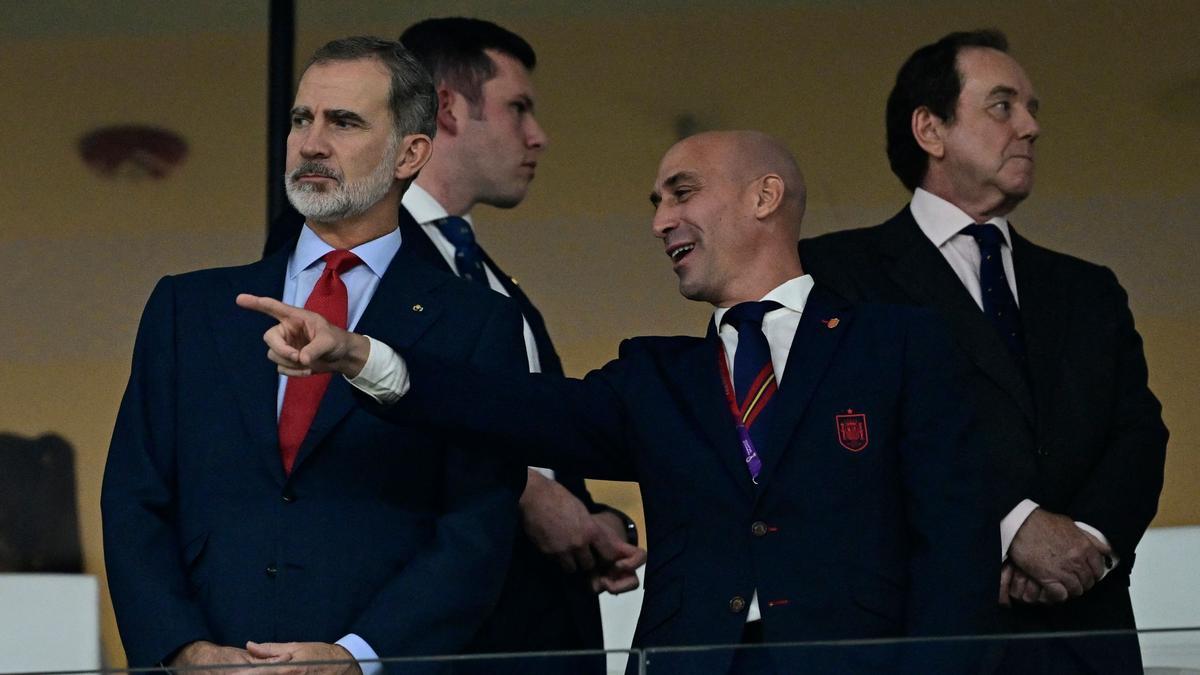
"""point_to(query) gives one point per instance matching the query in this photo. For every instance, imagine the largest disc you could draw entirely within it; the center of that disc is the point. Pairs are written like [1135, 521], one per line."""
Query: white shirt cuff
[384, 376]
[361, 651]
[1009, 525]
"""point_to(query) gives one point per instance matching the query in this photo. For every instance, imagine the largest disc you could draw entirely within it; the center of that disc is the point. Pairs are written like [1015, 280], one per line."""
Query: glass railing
[1174, 651]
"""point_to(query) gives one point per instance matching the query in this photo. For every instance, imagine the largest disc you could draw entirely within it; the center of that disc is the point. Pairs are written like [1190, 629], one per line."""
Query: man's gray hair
[412, 98]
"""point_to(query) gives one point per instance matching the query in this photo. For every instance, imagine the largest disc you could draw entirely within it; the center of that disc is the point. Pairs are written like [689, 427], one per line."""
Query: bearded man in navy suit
[836, 498]
[252, 518]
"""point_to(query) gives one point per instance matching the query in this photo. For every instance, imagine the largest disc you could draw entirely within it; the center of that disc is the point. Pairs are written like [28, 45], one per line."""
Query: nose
[312, 141]
[663, 222]
[535, 136]
[1028, 125]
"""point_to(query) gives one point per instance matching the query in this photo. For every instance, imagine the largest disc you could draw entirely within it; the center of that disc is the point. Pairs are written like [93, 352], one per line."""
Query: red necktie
[303, 394]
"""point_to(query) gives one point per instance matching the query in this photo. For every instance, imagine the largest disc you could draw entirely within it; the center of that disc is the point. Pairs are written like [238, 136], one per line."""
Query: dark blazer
[839, 543]
[1081, 434]
[542, 608]
[381, 530]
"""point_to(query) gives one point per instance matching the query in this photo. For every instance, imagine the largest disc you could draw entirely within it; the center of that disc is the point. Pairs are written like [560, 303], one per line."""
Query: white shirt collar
[376, 254]
[424, 207]
[940, 220]
[792, 294]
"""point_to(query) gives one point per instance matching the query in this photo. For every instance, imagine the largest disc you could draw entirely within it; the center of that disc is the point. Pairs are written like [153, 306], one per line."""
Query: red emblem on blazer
[852, 430]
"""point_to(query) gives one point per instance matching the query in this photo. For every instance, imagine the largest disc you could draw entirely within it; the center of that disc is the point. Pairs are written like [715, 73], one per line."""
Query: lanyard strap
[761, 393]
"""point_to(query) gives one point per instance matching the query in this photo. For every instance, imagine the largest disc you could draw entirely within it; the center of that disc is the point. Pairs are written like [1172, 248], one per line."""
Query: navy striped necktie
[999, 305]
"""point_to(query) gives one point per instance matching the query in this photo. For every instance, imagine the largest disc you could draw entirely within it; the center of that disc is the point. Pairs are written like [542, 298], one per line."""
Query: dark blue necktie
[468, 257]
[998, 303]
[753, 377]
[753, 353]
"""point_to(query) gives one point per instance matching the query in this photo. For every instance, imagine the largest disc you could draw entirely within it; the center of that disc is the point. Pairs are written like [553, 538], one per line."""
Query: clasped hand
[280, 658]
[1051, 560]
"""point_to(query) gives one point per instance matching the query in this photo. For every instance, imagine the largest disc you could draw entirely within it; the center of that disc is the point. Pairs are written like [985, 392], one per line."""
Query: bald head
[728, 206]
[746, 155]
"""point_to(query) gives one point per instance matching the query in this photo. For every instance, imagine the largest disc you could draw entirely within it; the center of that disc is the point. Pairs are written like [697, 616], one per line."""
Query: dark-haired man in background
[1075, 436]
[252, 518]
[486, 150]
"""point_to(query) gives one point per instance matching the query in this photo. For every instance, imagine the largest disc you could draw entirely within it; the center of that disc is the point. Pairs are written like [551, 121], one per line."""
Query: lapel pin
[418, 308]
[514, 281]
[831, 323]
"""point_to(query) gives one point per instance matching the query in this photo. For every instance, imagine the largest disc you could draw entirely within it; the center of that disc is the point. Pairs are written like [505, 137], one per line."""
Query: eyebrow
[1002, 90]
[1005, 90]
[672, 181]
[333, 115]
[339, 115]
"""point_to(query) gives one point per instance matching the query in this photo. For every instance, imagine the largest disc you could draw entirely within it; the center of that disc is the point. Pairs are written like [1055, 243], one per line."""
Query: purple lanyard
[753, 462]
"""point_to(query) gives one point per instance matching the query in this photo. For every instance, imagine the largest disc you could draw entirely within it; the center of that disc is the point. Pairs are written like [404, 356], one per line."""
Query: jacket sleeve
[1120, 496]
[155, 610]
[566, 424]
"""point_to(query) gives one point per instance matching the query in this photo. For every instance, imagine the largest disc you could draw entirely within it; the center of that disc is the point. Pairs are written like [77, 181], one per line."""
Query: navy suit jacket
[542, 608]
[1082, 435]
[882, 541]
[381, 529]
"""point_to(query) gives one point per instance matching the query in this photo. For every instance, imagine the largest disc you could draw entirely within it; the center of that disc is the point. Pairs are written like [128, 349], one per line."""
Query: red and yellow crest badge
[852, 430]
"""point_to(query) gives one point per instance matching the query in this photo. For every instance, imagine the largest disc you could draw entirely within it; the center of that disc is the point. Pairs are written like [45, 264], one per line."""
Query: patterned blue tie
[998, 302]
[468, 257]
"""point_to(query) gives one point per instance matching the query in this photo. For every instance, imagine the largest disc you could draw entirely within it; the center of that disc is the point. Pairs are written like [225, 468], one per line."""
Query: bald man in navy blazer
[854, 512]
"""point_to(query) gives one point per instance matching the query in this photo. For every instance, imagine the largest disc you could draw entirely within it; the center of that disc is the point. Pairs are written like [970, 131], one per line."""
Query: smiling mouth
[679, 252]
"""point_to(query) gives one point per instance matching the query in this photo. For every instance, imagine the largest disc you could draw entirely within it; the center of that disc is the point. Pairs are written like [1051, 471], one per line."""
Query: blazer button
[758, 529]
[272, 571]
[288, 498]
[737, 604]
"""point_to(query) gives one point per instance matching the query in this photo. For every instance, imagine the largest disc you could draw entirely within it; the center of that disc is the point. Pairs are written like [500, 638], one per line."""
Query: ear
[768, 195]
[446, 120]
[928, 130]
[415, 151]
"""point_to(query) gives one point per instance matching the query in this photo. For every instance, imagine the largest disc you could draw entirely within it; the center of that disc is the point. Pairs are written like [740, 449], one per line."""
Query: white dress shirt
[304, 269]
[942, 222]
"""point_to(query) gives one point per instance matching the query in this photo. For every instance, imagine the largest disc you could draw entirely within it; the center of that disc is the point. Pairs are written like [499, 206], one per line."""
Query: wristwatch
[631, 532]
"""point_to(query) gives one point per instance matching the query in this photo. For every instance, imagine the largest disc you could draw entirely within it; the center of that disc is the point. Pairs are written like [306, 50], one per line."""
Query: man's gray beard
[346, 199]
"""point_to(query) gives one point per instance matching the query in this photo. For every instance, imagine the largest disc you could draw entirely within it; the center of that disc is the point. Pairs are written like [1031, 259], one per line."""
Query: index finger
[269, 306]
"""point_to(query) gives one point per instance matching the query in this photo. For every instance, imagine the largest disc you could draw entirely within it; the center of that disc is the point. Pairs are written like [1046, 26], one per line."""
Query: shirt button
[737, 604]
[759, 528]
[272, 571]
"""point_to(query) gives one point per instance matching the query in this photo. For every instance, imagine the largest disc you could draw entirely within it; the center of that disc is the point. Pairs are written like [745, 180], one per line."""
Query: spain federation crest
[852, 430]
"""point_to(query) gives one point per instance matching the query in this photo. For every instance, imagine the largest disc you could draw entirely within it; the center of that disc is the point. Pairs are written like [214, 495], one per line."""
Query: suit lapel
[809, 357]
[399, 312]
[238, 335]
[547, 356]
[918, 268]
[415, 243]
[1045, 313]
[695, 379]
